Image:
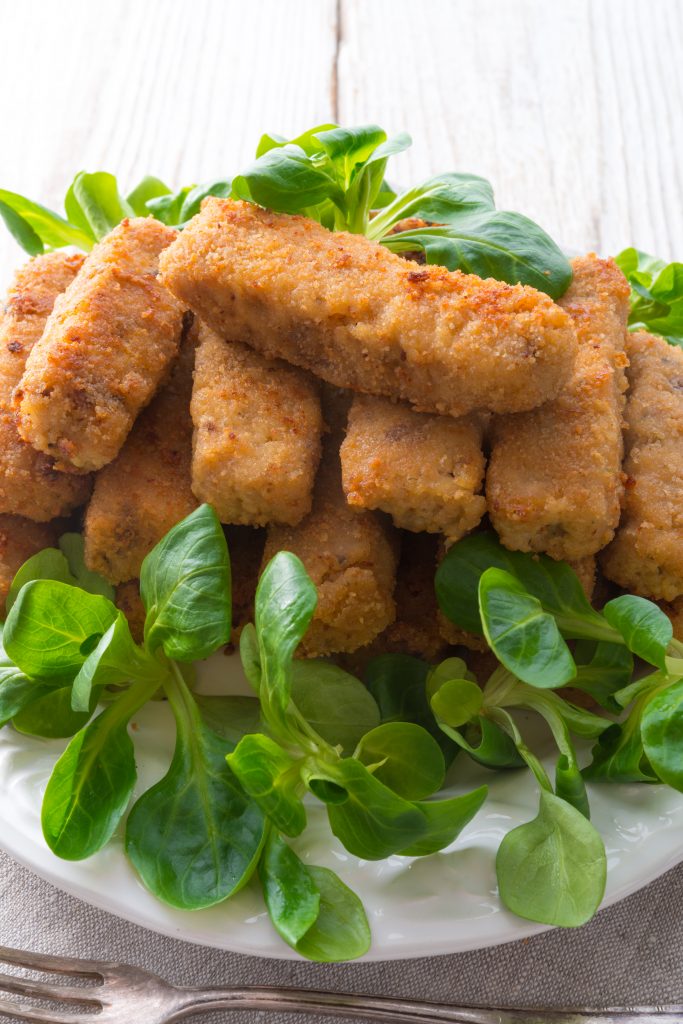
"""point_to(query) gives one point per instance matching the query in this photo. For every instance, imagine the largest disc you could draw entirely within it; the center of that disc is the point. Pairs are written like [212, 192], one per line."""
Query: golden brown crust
[20, 539]
[361, 317]
[586, 569]
[554, 478]
[107, 345]
[29, 483]
[146, 490]
[351, 557]
[646, 555]
[257, 428]
[426, 471]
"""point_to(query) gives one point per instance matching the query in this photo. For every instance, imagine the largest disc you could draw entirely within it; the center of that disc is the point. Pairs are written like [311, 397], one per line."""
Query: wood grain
[181, 90]
[573, 109]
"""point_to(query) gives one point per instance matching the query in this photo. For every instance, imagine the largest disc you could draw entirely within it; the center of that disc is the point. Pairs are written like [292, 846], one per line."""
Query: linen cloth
[629, 954]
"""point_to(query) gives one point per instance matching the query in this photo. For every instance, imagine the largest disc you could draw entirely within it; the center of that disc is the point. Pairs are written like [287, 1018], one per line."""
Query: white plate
[446, 903]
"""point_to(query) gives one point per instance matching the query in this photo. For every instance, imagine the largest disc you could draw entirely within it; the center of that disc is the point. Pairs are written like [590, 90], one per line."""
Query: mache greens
[336, 176]
[379, 756]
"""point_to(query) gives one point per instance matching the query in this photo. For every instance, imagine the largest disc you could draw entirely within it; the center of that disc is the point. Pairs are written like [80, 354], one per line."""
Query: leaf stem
[508, 724]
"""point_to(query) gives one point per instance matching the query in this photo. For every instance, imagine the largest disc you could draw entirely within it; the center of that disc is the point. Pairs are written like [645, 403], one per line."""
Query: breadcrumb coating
[363, 318]
[106, 347]
[147, 489]
[426, 471]
[20, 539]
[29, 483]
[554, 479]
[257, 429]
[646, 556]
[351, 557]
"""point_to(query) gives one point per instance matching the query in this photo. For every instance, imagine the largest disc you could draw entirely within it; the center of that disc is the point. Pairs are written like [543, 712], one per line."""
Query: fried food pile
[336, 400]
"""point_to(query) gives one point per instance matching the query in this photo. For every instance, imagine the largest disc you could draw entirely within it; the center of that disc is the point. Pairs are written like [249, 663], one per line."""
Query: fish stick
[29, 483]
[646, 555]
[351, 557]
[20, 539]
[415, 630]
[147, 489]
[106, 347]
[554, 479]
[425, 471]
[257, 428]
[363, 318]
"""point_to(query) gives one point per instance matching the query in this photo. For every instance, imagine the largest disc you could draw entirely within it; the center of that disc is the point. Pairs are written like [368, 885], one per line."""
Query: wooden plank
[573, 109]
[164, 87]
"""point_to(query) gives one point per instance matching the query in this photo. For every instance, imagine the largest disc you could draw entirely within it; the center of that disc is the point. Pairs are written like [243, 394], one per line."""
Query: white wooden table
[573, 108]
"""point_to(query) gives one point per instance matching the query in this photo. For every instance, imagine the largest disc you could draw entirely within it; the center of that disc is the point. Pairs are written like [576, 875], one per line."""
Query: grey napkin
[631, 953]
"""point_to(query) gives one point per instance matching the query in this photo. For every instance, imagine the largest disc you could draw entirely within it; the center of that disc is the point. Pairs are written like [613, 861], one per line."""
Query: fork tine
[54, 964]
[44, 990]
[40, 1016]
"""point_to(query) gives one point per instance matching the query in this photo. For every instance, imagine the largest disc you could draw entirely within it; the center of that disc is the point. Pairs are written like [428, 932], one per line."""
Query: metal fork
[119, 994]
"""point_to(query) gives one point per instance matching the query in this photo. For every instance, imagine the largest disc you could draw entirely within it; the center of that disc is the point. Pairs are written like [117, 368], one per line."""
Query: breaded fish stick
[105, 349]
[20, 539]
[146, 490]
[554, 477]
[29, 483]
[646, 555]
[257, 427]
[350, 556]
[363, 318]
[425, 470]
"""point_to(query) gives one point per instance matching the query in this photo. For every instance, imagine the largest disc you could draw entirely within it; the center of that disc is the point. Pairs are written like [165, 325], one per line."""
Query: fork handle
[408, 1011]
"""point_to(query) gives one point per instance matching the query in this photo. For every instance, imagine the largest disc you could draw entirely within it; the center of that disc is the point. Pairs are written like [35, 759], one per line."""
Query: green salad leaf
[398, 682]
[645, 628]
[92, 782]
[332, 174]
[195, 837]
[272, 779]
[53, 627]
[285, 601]
[93, 204]
[333, 702]
[51, 715]
[524, 637]
[186, 590]
[405, 757]
[311, 908]
[553, 869]
[656, 294]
